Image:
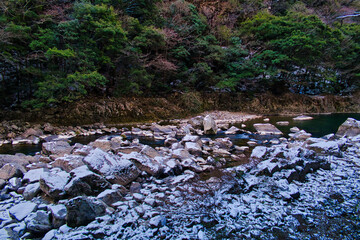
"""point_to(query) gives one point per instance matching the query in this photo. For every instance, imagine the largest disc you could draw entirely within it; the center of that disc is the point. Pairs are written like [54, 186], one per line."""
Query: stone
[2, 183]
[38, 222]
[294, 129]
[209, 125]
[180, 154]
[170, 141]
[114, 169]
[349, 128]
[83, 210]
[135, 187]
[283, 123]
[33, 175]
[58, 148]
[83, 181]
[232, 130]
[163, 129]
[251, 143]
[53, 183]
[138, 197]
[173, 167]
[103, 144]
[327, 146]
[110, 196]
[20, 159]
[258, 152]
[150, 152]
[193, 148]
[301, 135]
[69, 162]
[22, 210]
[11, 170]
[157, 222]
[302, 118]
[50, 235]
[32, 132]
[196, 122]
[225, 143]
[14, 183]
[219, 152]
[190, 138]
[145, 163]
[58, 215]
[31, 190]
[191, 164]
[267, 129]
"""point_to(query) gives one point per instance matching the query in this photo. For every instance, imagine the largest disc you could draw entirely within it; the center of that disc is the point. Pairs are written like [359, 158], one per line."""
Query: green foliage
[55, 51]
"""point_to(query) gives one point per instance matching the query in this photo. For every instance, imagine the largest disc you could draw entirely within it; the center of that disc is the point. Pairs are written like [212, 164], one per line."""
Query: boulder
[58, 213]
[59, 148]
[144, 163]
[11, 170]
[180, 154]
[193, 148]
[191, 164]
[22, 210]
[225, 143]
[258, 152]
[163, 129]
[14, 183]
[38, 222]
[33, 175]
[113, 168]
[19, 159]
[170, 141]
[150, 152]
[301, 135]
[83, 181]
[349, 128]
[283, 123]
[294, 129]
[110, 196]
[232, 130]
[103, 144]
[157, 222]
[31, 190]
[68, 162]
[53, 183]
[209, 125]
[267, 129]
[32, 132]
[83, 210]
[196, 122]
[302, 118]
[326, 146]
[190, 138]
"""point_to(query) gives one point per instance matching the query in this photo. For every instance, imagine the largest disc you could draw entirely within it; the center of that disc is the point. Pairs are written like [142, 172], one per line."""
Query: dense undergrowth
[56, 51]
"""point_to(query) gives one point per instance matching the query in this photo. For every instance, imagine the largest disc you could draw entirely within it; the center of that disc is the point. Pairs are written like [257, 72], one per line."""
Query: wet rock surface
[296, 188]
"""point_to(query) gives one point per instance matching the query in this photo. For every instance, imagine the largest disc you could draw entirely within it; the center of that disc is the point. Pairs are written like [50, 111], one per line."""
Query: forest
[57, 51]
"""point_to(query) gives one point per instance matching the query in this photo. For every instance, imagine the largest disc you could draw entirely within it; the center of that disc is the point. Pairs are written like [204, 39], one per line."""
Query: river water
[319, 126]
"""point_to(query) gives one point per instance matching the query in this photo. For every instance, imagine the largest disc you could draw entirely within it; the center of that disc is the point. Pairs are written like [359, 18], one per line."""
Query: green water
[319, 126]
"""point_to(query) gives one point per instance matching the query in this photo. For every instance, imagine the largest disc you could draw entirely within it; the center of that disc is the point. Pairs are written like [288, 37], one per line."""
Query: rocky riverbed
[115, 187]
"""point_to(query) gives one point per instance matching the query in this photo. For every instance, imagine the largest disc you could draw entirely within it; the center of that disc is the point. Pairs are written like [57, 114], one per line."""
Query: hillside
[60, 51]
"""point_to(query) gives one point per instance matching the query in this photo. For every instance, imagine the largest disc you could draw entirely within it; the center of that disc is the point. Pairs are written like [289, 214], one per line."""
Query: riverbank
[122, 110]
[117, 187]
